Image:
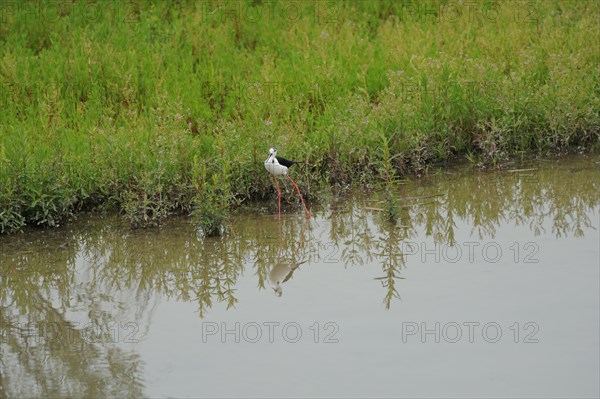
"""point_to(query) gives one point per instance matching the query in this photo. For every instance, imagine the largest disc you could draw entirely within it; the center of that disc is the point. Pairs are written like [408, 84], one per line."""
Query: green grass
[130, 106]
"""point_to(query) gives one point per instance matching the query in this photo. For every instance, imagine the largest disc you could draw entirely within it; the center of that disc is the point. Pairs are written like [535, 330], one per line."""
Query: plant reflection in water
[98, 271]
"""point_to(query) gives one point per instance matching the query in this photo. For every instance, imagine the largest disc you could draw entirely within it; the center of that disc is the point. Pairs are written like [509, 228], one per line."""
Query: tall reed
[131, 106]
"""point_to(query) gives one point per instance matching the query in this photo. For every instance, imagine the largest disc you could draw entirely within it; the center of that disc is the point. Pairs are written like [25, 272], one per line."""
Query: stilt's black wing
[285, 162]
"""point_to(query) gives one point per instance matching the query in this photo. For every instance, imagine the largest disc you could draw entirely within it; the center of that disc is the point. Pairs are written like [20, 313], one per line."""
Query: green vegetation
[131, 106]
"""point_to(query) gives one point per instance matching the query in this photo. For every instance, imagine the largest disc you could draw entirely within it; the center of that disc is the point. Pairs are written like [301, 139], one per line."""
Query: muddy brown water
[488, 285]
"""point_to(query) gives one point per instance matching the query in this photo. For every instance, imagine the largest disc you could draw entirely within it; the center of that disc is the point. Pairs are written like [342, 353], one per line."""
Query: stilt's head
[273, 151]
[278, 290]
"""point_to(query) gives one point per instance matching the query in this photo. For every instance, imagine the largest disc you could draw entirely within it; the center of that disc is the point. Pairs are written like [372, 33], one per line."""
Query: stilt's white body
[273, 166]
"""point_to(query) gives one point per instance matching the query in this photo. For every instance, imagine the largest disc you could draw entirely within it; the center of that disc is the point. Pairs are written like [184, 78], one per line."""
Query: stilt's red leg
[278, 198]
[301, 199]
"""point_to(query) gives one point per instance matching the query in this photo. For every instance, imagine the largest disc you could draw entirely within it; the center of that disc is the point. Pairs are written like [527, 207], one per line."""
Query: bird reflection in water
[281, 272]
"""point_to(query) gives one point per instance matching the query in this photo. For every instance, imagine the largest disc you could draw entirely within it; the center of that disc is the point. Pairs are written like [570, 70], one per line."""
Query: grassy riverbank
[131, 106]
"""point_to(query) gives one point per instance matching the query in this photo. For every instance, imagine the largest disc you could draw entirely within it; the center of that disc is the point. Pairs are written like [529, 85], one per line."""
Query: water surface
[488, 285]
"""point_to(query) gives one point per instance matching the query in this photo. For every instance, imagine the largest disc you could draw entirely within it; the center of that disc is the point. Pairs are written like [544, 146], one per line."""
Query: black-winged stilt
[279, 166]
